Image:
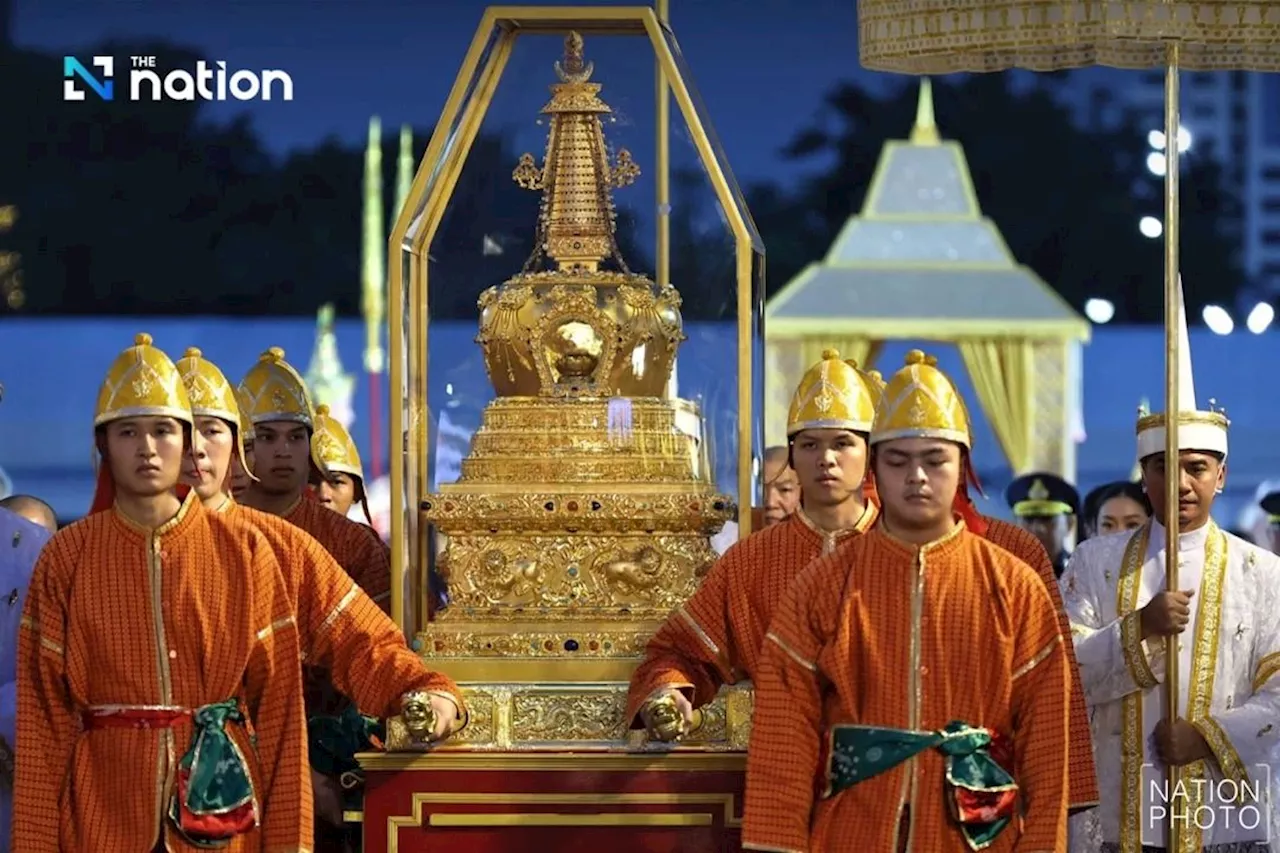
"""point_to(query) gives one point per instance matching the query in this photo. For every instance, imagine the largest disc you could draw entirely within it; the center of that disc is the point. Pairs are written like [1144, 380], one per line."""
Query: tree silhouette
[145, 208]
[1067, 201]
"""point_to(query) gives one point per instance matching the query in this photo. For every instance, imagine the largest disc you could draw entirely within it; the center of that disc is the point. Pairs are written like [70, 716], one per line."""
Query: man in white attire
[1227, 617]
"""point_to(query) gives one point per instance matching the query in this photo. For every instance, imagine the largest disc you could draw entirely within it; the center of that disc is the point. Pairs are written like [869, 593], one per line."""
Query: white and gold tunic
[1229, 680]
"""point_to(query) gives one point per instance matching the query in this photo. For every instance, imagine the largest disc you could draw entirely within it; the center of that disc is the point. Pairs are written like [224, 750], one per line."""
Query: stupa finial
[577, 179]
[925, 131]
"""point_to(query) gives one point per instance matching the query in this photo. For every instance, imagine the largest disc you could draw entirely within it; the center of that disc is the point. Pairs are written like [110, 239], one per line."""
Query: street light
[1099, 310]
[1156, 140]
[1150, 227]
[1156, 163]
[1260, 318]
[1218, 320]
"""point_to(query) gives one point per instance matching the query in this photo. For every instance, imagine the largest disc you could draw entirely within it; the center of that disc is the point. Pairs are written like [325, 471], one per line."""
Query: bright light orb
[1218, 320]
[1260, 318]
[1099, 310]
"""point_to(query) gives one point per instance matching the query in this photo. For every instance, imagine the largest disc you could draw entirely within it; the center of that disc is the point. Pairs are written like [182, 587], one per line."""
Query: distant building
[1233, 117]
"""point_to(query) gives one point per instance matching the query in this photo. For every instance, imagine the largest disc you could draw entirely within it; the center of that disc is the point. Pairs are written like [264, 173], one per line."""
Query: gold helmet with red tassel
[332, 444]
[141, 382]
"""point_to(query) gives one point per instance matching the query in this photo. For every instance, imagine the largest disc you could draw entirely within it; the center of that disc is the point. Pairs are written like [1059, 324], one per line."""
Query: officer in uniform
[1046, 506]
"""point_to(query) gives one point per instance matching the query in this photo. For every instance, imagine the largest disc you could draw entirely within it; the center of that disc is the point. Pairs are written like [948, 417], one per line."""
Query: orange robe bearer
[340, 628]
[873, 637]
[715, 637]
[271, 394]
[912, 698]
[1082, 773]
[143, 649]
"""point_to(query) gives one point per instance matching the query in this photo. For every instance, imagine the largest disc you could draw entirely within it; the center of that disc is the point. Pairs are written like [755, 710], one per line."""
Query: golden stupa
[584, 510]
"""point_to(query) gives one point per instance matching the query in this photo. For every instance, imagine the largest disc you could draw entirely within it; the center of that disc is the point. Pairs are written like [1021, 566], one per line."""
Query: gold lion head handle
[666, 723]
[418, 717]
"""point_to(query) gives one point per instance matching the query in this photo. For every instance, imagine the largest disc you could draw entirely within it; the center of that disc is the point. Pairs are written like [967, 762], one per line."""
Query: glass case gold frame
[424, 209]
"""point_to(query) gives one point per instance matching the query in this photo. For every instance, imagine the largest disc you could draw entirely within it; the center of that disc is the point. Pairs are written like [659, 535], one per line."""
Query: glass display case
[575, 304]
[575, 301]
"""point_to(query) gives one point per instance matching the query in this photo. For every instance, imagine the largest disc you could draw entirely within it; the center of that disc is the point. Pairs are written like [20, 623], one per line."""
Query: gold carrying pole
[662, 161]
[1172, 321]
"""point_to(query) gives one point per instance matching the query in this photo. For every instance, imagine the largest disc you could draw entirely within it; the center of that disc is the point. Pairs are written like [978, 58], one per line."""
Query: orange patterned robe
[1082, 774]
[357, 547]
[190, 614]
[715, 638]
[884, 634]
[340, 627]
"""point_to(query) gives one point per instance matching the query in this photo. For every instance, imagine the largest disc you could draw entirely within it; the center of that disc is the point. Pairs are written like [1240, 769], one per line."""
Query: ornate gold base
[587, 443]
[573, 716]
[617, 533]
[550, 579]
[554, 593]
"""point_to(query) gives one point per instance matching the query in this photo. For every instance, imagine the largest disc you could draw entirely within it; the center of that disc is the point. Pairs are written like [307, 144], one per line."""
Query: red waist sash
[132, 717]
[213, 796]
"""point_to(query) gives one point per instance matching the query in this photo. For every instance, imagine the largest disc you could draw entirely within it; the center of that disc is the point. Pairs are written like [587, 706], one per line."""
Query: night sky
[762, 66]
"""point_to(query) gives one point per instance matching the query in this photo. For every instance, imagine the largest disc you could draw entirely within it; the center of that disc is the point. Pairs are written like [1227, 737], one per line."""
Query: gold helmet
[141, 382]
[332, 443]
[921, 402]
[833, 394]
[246, 425]
[212, 396]
[333, 446]
[273, 390]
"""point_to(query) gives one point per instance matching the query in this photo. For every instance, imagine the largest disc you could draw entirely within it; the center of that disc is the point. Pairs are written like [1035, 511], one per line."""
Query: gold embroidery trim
[1131, 746]
[1204, 656]
[342, 605]
[791, 653]
[45, 642]
[1135, 656]
[1039, 658]
[1267, 669]
[275, 626]
[718, 656]
[1229, 761]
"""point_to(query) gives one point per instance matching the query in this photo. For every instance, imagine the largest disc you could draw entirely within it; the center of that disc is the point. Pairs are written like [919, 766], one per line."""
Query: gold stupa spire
[925, 131]
[577, 177]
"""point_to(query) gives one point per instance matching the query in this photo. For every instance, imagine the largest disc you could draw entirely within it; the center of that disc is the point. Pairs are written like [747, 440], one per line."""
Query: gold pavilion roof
[920, 251]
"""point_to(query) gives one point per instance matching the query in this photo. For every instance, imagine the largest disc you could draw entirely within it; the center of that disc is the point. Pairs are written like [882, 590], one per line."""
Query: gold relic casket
[585, 502]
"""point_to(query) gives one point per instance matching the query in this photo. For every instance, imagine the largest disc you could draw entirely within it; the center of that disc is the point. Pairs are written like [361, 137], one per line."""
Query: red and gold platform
[504, 802]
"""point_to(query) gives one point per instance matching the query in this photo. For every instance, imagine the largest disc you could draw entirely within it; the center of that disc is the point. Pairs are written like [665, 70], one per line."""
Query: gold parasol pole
[662, 163]
[1173, 309]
